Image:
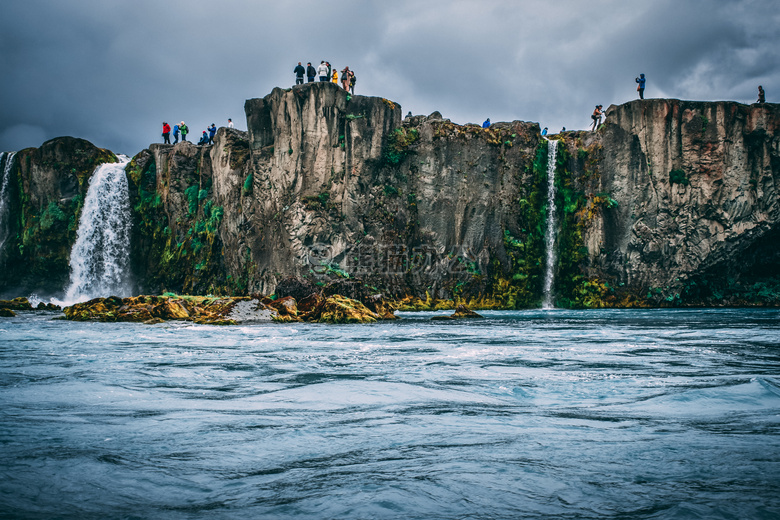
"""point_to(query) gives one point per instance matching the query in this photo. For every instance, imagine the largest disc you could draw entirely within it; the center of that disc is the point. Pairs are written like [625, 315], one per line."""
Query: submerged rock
[47, 307]
[461, 312]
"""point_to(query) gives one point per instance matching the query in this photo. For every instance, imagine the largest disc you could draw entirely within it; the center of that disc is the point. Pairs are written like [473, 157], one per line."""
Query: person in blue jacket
[641, 86]
[204, 139]
[175, 134]
[486, 124]
[212, 133]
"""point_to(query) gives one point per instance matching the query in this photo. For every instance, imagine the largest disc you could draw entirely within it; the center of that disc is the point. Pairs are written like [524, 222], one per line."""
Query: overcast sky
[111, 71]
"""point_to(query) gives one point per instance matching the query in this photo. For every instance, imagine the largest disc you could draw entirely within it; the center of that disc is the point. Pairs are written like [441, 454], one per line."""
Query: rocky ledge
[306, 303]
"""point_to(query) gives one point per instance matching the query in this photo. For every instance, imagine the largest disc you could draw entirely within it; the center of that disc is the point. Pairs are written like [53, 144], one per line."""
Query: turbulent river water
[535, 414]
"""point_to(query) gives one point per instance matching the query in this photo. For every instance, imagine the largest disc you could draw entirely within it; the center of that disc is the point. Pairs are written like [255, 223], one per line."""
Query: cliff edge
[669, 203]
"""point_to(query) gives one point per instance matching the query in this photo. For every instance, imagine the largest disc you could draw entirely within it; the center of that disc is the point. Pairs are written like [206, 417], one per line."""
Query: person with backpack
[175, 134]
[641, 85]
[761, 95]
[345, 78]
[184, 131]
[596, 116]
[212, 133]
[310, 72]
[299, 72]
[352, 81]
[166, 133]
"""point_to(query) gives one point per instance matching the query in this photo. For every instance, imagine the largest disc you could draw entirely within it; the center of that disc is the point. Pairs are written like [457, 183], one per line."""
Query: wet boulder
[461, 312]
[47, 307]
[381, 307]
[100, 309]
[170, 310]
[253, 310]
[287, 309]
[17, 304]
[339, 309]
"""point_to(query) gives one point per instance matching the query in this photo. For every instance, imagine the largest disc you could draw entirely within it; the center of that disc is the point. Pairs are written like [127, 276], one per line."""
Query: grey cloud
[111, 72]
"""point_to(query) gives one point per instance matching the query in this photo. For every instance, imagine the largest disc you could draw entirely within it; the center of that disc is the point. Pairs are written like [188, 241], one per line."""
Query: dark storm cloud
[112, 71]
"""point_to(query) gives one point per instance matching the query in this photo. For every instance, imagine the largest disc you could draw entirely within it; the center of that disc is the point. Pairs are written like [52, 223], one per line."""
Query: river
[610, 414]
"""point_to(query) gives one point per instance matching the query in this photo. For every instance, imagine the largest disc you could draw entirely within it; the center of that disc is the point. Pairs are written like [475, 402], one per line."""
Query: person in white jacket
[322, 71]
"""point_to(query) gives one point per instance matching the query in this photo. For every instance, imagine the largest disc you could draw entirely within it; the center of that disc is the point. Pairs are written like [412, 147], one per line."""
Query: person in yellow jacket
[335, 78]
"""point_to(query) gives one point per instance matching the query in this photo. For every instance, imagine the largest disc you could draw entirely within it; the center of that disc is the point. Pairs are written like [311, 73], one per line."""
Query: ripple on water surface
[536, 414]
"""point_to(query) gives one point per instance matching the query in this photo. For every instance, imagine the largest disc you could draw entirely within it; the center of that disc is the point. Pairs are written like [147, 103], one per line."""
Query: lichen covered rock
[19, 304]
[461, 312]
[339, 309]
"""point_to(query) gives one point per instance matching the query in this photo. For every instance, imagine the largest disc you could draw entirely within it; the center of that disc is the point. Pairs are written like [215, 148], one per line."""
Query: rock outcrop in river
[669, 203]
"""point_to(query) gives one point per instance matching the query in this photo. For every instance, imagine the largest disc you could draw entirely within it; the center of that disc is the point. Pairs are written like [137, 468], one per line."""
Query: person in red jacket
[166, 133]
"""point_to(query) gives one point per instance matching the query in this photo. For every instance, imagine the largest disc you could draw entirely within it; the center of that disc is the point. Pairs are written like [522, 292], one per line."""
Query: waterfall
[549, 268]
[100, 259]
[4, 196]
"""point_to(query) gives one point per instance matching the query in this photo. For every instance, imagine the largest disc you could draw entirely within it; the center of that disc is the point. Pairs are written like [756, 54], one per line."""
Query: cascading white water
[9, 160]
[549, 268]
[100, 259]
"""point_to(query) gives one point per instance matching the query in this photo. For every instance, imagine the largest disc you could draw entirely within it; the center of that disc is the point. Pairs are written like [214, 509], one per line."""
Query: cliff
[327, 185]
[695, 189]
[668, 203]
[45, 195]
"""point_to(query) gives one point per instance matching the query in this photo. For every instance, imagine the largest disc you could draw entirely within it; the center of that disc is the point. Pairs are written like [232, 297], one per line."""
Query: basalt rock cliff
[688, 200]
[44, 196]
[668, 203]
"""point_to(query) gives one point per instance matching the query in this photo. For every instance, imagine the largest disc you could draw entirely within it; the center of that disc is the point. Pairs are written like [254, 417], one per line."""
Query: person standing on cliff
[230, 123]
[352, 81]
[345, 78]
[596, 116]
[166, 133]
[322, 72]
[175, 134]
[330, 70]
[641, 86]
[761, 96]
[299, 72]
[310, 72]
[335, 77]
[212, 133]
[486, 124]
[184, 131]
